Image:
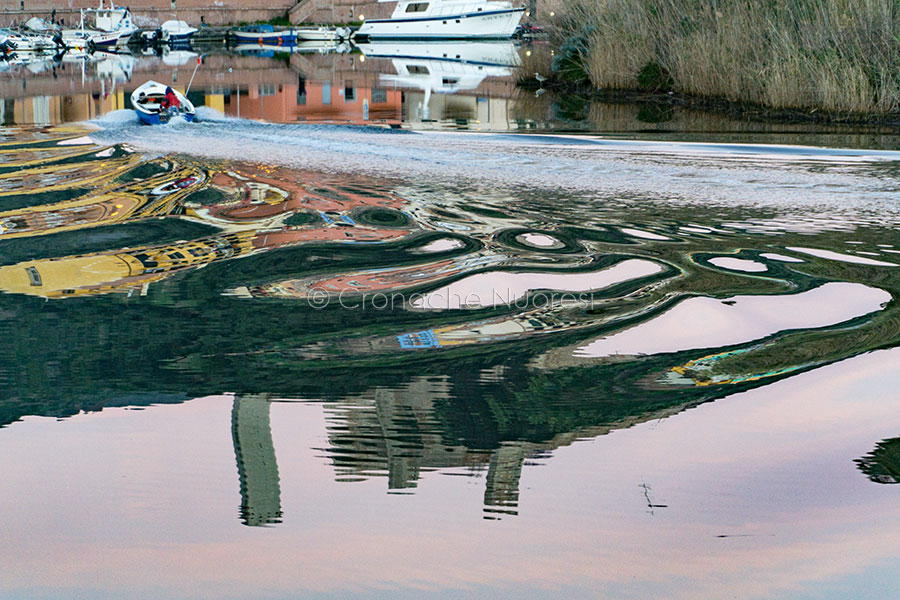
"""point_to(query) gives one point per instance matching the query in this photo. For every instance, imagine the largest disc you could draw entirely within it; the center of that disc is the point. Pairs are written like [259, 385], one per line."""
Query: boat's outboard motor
[7, 46]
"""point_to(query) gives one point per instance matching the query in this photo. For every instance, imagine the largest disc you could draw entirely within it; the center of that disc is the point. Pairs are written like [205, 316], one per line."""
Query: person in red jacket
[170, 101]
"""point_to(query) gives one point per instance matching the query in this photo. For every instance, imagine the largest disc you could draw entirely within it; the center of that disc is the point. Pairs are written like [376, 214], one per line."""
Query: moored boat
[147, 101]
[177, 32]
[264, 35]
[445, 19]
[322, 34]
[27, 42]
[113, 19]
[171, 33]
[84, 39]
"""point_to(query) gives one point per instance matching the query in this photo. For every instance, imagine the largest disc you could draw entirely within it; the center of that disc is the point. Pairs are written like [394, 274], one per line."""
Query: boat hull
[179, 38]
[289, 37]
[489, 24]
[106, 41]
[267, 38]
[156, 119]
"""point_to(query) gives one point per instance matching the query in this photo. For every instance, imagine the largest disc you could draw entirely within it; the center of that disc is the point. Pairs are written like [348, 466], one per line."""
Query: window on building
[326, 92]
[301, 90]
[33, 276]
[379, 96]
[349, 91]
[267, 89]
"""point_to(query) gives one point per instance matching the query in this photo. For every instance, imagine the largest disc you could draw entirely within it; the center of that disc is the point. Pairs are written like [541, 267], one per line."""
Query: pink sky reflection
[143, 501]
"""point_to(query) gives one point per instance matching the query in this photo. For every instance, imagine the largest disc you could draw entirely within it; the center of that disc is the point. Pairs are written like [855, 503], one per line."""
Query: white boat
[27, 42]
[88, 39]
[113, 27]
[147, 102]
[447, 19]
[113, 19]
[173, 33]
[322, 34]
[177, 32]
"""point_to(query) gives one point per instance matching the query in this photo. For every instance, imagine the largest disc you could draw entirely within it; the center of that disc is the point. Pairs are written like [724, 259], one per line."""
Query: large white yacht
[448, 19]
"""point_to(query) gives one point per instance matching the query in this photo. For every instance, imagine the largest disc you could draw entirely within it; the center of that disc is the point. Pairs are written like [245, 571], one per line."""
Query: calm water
[367, 353]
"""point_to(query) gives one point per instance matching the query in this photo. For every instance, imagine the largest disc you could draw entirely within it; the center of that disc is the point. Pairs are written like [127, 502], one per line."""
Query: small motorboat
[172, 33]
[147, 101]
[177, 32]
[264, 35]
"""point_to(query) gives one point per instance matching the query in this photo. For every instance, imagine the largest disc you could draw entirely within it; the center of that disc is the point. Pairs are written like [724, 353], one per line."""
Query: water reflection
[468, 333]
[418, 85]
[465, 328]
[255, 455]
[882, 464]
[378, 83]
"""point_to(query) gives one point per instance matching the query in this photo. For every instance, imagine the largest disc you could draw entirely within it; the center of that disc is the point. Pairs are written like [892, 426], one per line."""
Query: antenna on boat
[197, 66]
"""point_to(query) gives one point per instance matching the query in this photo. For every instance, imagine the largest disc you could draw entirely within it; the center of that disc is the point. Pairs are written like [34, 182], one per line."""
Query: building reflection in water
[256, 463]
[388, 432]
[395, 432]
[389, 84]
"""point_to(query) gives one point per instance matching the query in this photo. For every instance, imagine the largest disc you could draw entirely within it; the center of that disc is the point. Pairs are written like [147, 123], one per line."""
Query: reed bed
[833, 55]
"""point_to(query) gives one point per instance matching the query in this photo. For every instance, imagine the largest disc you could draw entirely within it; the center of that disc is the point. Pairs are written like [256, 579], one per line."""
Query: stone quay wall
[150, 13]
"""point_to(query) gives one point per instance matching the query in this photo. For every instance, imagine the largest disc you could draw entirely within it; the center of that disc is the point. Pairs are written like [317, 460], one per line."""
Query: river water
[438, 339]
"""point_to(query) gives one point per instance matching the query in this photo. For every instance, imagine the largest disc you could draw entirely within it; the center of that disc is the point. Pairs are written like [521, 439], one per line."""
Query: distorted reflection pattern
[467, 330]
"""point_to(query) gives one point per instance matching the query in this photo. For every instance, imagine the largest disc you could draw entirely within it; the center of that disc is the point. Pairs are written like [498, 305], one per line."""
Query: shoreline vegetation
[782, 60]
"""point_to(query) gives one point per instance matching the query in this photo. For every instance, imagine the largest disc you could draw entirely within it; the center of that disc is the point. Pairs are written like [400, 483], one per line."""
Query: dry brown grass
[835, 55]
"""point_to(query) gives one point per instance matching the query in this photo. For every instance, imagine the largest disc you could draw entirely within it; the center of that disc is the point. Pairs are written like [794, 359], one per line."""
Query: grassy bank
[840, 56]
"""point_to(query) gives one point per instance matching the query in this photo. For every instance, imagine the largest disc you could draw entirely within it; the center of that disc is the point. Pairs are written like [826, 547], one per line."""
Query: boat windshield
[151, 100]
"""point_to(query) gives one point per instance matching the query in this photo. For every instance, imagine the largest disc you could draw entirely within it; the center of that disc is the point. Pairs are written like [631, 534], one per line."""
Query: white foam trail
[206, 113]
[812, 179]
[116, 117]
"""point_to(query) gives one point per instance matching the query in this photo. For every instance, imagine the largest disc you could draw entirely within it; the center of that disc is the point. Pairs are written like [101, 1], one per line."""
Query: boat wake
[627, 170]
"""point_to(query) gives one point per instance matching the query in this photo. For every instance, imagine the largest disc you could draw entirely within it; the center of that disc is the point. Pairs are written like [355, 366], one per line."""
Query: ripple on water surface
[165, 270]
